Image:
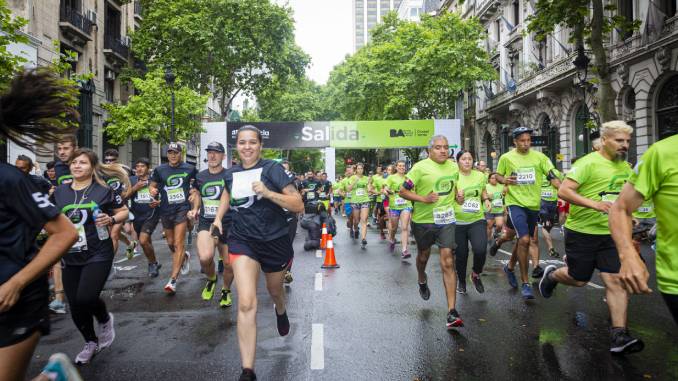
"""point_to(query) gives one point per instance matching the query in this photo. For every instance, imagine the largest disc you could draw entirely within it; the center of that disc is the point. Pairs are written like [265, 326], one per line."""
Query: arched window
[667, 109]
[551, 134]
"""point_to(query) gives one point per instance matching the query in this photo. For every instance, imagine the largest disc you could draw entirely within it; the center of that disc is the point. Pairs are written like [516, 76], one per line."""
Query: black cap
[521, 130]
[215, 146]
[174, 147]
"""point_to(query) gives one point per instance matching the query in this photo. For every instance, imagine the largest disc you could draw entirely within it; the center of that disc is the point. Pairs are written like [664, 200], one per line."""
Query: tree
[589, 26]
[11, 34]
[292, 100]
[228, 46]
[148, 114]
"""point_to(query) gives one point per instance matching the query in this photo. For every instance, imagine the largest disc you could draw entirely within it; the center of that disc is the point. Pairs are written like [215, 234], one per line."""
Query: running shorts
[587, 252]
[28, 315]
[147, 225]
[492, 216]
[548, 214]
[428, 235]
[273, 256]
[360, 205]
[348, 209]
[172, 220]
[206, 225]
[395, 213]
[522, 220]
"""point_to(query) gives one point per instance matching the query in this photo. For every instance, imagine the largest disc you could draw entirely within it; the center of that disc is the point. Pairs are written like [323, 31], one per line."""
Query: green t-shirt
[496, 195]
[656, 178]
[344, 188]
[395, 202]
[548, 191]
[378, 182]
[599, 179]
[429, 176]
[473, 208]
[360, 191]
[646, 210]
[529, 169]
[336, 190]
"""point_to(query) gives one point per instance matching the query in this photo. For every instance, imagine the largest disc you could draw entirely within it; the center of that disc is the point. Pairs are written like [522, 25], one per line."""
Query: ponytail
[117, 171]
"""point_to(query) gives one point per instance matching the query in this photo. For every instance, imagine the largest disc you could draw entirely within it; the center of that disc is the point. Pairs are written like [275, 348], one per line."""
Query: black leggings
[476, 233]
[672, 302]
[82, 285]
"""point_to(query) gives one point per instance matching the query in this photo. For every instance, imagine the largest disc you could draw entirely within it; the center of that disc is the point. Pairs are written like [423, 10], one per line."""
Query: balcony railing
[75, 18]
[116, 45]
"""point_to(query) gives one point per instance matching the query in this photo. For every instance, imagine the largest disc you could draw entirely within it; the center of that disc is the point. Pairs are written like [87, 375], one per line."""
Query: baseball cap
[521, 130]
[174, 147]
[215, 146]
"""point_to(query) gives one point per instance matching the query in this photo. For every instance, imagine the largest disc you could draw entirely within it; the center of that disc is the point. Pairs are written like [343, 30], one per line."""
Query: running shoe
[363, 244]
[553, 253]
[391, 246]
[186, 265]
[283, 322]
[287, 278]
[247, 375]
[537, 272]
[424, 291]
[546, 284]
[494, 248]
[85, 356]
[477, 283]
[220, 266]
[208, 291]
[526, 291]
[171, 287]
[623, 343]
[60, 368]
[131, 250]
[453, 319]
[225, 300]
[353, 236]
[461, 287]
[106, 333]
[154, 269]
[406, 254]
[513, 282]
[57, 306]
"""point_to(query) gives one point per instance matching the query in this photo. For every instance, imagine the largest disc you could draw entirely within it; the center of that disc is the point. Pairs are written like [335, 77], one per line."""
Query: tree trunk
[606, 94]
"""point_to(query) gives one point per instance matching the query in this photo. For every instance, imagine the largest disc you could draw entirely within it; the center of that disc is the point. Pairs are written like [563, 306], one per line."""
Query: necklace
[77, 204]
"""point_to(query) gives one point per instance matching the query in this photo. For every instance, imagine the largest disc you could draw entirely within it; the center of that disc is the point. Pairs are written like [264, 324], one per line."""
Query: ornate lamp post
[581, 63]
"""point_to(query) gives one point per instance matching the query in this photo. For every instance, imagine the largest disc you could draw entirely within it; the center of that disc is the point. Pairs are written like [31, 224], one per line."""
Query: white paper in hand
[242, 183]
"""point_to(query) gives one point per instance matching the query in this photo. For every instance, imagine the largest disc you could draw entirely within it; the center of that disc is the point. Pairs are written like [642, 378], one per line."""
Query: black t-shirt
[324, 190]
[140, 201]
[313, 189]
[174, 184]
[260, 219]
[79, 207]
[42, 183]
[24, 210]
[63, 173]
[211, 186]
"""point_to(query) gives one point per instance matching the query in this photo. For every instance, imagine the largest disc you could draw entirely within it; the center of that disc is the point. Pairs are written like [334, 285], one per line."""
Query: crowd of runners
[72, 219]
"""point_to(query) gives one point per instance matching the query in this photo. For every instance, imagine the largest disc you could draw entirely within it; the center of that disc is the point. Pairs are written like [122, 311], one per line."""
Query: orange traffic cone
[323, 240]
[330, 261]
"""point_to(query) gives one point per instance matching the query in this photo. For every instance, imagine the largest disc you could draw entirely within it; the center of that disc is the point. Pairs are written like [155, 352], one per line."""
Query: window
[625, 9]
[668, 7]
[516, 12]
[667, 109]
[109, 90]
[497, 30]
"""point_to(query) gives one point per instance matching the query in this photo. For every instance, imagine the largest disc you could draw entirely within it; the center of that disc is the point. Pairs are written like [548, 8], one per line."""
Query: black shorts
[273, 256]
[427, 235]
[380, 207]
[171, 220]
[587, 252]
[26, 317]
[146, 225]
[206, 225]
[548, 214]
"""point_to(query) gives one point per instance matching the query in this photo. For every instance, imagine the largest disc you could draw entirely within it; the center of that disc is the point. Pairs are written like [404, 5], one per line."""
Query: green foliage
[293, 100]
[148, 115]
[230, 46]
[11, 34]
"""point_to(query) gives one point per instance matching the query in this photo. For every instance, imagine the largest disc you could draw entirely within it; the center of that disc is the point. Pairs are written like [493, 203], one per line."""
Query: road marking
[317, 348]
[552, 261]
[124, 268]
[318, 281]
[120, 261]
[318, 253]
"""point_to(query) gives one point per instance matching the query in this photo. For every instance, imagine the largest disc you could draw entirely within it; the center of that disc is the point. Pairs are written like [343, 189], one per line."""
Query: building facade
[366, 15]
[538, 86]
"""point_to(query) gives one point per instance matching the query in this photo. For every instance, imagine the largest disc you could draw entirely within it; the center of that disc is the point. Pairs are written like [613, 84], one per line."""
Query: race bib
[175, 196]
[526, 176]
[81, 244]
[443, 215]
[645, 209]
[310, 195]
[360, 192]
[323, 195]
[210, 208]
[399, 201]
[497, 203]
[471, 206]
[546, 193]
[143, 197]
[609, 197]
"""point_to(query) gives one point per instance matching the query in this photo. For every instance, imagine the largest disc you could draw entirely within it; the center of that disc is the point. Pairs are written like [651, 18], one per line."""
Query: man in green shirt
[378, 182]
[548, 213]
[431, 187]
[591, 187]
[522, 170]
[656, 179]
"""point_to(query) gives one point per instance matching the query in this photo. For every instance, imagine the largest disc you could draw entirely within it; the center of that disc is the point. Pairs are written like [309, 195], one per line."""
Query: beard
[621, 156]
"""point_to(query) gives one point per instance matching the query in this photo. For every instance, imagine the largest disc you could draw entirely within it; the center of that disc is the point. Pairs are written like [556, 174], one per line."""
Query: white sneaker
[186, 265]
[171, 287]
[85, 356]
[106, 333]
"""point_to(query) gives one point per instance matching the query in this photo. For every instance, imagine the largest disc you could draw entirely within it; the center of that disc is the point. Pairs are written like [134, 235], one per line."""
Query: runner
[146, 215]
[430, 185]
[175, 178]
[259, 239]
[495, 216]
[378, 182]
[520, 169]
[208, 186]
[92, 207]
[348, 199]
[120, 186]
[337, 203]
[471, 225]
[50, 175]
[656, 179]
[28, 110]
[591, 186]
[400, 210]
[548, 212]
[359, 185]
[66, 145]
[325, 191]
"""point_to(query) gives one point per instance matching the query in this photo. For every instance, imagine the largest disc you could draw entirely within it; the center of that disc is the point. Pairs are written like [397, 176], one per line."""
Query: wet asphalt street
[366, 321]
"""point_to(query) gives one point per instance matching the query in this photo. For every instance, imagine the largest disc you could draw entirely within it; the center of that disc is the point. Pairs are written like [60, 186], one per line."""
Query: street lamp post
[581, 63]
[170, 78]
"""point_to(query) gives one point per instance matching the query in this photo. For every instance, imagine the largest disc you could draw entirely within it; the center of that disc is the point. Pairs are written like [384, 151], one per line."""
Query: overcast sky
[323, 30]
